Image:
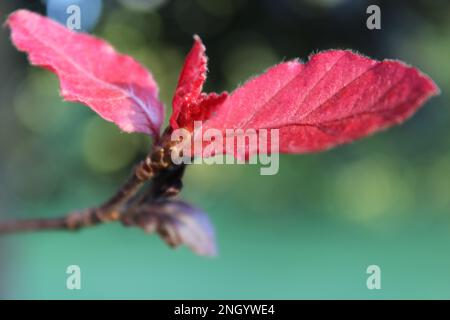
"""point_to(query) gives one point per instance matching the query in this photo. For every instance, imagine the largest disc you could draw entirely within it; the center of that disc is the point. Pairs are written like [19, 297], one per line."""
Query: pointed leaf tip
[189, 102]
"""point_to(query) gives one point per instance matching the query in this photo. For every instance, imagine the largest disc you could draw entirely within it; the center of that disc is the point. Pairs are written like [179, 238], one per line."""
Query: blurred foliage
[308, 232]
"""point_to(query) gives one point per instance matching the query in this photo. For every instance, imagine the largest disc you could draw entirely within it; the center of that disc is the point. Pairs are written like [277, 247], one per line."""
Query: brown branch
[32, 225]
[166, 178]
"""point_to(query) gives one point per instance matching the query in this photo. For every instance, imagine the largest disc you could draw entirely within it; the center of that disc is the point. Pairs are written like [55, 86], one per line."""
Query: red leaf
[189, 103]
[336, 97]
[91, 72]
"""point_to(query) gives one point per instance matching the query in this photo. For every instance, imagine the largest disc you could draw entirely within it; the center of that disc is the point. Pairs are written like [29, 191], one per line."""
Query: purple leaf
[179, 223]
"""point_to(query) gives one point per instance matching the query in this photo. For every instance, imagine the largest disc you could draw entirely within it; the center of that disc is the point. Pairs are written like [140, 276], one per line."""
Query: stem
[32, 225]
[156, 165]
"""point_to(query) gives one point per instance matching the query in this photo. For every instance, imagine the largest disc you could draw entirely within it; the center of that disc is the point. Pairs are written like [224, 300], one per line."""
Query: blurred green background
[308, 232]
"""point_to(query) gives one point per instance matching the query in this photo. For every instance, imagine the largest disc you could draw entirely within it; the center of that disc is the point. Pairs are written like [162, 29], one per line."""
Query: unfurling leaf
[178, 223]
[189, 102]
[336, 97]
[91, 72]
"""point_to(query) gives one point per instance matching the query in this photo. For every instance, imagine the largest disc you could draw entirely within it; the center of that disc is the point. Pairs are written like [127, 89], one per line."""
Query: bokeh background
[308, 232]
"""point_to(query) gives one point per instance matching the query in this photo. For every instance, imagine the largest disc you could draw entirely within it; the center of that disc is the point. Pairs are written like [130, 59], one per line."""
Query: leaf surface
[336, 97]
[90, 71]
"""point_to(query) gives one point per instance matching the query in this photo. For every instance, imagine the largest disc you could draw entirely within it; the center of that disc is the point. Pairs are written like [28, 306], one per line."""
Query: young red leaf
[91, 72]
[336, 97]
[189, 103]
